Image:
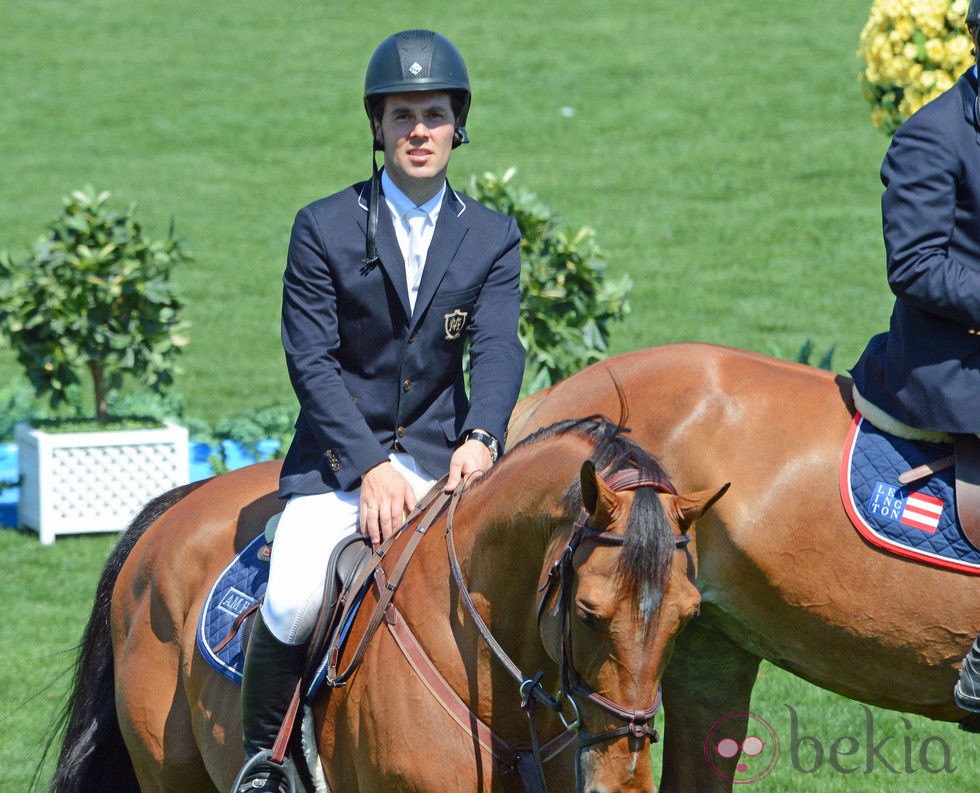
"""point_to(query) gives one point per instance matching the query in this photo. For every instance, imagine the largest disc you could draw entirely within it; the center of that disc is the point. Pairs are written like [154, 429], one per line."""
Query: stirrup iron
[264, 757]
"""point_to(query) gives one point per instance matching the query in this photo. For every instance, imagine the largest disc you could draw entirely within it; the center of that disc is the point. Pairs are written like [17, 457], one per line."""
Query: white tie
[415, 261]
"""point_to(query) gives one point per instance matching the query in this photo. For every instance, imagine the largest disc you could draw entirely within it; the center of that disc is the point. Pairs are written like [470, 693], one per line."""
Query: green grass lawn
[722, 151]
[47, 596]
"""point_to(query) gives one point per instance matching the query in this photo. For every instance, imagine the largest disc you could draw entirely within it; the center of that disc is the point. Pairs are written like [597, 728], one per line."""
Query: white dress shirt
[400, 205]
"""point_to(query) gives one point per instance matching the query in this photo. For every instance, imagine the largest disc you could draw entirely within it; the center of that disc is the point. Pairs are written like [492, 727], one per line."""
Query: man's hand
[472, 458]
[386, 498]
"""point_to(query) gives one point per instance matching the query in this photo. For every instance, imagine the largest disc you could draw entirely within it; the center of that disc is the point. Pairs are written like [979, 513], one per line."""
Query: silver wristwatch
[487, 440]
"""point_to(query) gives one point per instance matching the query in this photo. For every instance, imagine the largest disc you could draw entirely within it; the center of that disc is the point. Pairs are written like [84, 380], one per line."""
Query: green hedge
[567, 305]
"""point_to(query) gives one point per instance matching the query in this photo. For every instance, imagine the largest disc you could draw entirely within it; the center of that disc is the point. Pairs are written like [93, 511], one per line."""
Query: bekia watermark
[887, 748]
[872, 749]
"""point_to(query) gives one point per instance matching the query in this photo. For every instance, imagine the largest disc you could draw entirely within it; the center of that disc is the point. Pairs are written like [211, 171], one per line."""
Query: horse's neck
[502, 558]
[502, 530]
[512, 516]
[503, 545]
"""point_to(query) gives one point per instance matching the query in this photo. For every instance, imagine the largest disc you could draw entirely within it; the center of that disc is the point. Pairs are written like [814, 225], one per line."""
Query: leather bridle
[637, 724]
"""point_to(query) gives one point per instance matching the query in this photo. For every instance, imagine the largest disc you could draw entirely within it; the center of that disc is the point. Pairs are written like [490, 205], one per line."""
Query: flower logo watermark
[757, 754]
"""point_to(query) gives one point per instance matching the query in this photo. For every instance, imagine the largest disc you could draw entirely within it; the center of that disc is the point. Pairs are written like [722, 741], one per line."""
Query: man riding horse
[384, 283]
[924, 373]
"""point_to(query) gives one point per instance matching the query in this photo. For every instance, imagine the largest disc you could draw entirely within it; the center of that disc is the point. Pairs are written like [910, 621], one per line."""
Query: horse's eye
[587, 616]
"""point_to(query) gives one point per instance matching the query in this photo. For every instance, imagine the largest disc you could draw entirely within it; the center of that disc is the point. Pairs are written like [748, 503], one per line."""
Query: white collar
[399, 203]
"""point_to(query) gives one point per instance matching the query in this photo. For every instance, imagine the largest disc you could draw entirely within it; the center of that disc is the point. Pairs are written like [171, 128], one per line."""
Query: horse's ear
[590, 487]
[689, 507]
[597, 497]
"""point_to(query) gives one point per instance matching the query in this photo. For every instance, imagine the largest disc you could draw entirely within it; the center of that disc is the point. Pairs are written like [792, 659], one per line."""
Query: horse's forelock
[648, 553]
[646, 557]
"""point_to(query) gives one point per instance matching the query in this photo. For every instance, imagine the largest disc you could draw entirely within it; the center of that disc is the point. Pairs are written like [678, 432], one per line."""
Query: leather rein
[636, 723]
[524, 763]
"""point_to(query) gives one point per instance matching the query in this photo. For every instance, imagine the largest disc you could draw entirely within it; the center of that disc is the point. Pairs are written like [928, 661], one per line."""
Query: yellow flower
[914, 50]
[926, 82]
[929, 15]
[943, 83]
[957, 11]
[903, 28]
[935, 51]
[958, 54]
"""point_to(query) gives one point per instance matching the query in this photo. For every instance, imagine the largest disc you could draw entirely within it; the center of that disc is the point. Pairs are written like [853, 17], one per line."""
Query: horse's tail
[93, 757]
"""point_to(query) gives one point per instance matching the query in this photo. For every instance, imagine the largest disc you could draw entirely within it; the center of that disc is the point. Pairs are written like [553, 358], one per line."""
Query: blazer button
[411, 338]
[407, 385]
[400, 432]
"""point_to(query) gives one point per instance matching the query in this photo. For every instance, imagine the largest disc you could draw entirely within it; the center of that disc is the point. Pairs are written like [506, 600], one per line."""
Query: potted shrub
[91, 306]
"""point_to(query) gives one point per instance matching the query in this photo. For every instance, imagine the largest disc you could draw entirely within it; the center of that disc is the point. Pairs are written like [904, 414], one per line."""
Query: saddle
[353, 568]
[916, 520]
[965, 462]
[347, 557]
[243, 593]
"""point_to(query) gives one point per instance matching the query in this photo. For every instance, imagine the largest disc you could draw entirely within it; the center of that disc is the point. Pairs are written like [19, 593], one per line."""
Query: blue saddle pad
[917, 520]
[241, 584]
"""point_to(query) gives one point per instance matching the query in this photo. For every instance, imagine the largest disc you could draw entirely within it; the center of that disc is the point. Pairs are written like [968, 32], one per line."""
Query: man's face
[416, 131]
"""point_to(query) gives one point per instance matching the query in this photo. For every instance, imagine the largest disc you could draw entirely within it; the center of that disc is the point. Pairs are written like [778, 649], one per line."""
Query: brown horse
[586, 601]
[783, 575]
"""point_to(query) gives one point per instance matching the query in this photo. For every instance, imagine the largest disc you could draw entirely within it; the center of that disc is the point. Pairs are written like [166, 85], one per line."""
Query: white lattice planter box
[77, 482]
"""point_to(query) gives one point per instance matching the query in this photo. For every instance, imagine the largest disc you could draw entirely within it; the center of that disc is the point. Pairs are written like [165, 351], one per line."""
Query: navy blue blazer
[370, 375]
[925, 371]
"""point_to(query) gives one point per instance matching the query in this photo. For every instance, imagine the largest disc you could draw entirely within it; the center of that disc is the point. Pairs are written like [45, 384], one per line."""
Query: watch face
[487, 440]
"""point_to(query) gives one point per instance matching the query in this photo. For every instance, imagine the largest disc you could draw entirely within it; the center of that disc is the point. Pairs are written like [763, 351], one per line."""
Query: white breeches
[308, 531]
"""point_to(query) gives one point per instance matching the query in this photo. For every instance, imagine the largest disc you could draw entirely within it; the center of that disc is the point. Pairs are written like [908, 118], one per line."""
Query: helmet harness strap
[371, 258]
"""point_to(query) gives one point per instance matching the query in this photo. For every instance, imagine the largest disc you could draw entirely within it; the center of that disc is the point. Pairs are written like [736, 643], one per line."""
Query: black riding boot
[272, 670]
[967, 691]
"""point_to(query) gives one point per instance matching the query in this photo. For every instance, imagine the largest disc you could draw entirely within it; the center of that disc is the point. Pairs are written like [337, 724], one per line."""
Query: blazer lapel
[446, 239]
[390, 253]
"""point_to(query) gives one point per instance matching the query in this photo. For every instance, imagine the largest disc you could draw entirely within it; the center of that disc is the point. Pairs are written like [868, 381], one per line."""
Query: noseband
[636, 723]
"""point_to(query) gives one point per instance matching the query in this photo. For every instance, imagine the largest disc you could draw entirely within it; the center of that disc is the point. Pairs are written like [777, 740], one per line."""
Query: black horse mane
[647, 555]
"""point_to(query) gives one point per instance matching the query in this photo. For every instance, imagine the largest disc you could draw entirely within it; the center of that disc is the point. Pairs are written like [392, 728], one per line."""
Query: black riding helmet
[413, 60]
[418, 60]
[973, 13]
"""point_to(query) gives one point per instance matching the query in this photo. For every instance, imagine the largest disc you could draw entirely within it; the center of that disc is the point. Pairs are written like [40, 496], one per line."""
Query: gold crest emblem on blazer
[454, 322]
